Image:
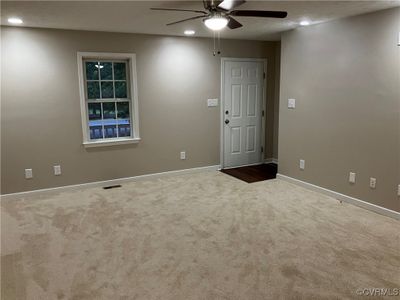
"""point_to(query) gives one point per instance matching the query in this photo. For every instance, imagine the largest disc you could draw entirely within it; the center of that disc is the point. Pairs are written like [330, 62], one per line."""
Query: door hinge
[262, 149]
[264, 75]
[262, 113]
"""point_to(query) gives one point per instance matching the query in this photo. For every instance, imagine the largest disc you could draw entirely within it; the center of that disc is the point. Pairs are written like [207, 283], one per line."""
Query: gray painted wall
[345, 76]
[40, 118]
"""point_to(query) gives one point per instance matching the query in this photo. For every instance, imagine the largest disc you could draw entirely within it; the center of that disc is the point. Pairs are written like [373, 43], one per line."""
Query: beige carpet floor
[198, 236]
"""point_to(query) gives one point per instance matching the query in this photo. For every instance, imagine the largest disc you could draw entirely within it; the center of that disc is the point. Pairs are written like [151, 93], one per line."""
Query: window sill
[111, 142]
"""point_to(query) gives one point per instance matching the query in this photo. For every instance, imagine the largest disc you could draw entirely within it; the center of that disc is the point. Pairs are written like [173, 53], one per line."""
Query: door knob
[226, 121]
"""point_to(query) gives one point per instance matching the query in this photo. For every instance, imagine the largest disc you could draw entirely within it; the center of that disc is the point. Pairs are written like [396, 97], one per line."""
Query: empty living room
[205, 150]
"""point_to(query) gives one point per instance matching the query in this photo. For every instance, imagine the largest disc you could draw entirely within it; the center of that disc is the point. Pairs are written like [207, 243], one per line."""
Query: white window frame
[134, 113]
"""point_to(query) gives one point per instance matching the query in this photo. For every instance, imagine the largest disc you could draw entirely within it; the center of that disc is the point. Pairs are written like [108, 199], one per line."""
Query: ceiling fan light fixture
[216, 22]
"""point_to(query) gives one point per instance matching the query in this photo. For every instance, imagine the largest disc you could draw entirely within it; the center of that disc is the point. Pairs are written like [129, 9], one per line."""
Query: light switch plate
[212, 102]
[291, 103]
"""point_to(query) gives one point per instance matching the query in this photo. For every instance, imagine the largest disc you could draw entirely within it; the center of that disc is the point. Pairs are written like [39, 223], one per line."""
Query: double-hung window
[109, 105]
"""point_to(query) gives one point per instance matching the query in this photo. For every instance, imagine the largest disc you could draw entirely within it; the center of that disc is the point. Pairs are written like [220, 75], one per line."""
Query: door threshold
[255, 164]
[253, 173]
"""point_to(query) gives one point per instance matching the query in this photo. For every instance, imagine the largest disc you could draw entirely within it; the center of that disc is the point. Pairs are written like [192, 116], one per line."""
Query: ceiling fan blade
[178, 9]
[259, 13]
[188, 19]
[230, 4]
[233, 24]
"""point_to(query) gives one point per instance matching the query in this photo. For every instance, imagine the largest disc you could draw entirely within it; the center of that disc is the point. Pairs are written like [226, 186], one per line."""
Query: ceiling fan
[219, 14]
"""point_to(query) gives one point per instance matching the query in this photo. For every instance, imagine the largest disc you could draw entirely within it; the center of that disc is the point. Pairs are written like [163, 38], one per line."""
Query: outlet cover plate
[57, 170]
[183, 155]
[28, 173]
[352, 177]
[302, 164]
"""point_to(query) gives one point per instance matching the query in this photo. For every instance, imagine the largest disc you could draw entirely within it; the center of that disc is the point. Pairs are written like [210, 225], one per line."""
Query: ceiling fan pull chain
[214, 43]
[219, 44]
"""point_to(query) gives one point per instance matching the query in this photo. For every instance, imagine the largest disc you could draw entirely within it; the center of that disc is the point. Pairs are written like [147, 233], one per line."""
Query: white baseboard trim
[271, 160]
[360, 203]
[109, 182]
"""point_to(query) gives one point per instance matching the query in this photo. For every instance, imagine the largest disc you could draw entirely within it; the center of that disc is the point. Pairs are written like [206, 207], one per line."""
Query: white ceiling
[136, 16]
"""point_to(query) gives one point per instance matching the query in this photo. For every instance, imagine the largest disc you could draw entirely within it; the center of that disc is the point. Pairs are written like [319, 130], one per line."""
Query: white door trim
[222, 96]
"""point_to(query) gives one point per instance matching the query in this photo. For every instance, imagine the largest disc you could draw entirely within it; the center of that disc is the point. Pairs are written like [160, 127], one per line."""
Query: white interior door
[243, 102]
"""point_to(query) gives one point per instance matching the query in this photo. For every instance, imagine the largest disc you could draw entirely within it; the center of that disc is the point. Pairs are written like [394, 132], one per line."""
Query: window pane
[93, 90]
[123, 110]
[120, 89]
[119, 71]
[109, 110]
[106, 71]
[110, 124]
[110, 131]
[124, 122]
[124, 130]
[95, 128]
[92, 72]
[107, 89]
[94, 111]
[96, 132]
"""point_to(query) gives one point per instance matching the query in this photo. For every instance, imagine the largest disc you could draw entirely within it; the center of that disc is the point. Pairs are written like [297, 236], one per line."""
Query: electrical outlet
[352, 177]
[28, 173]
[302, 164]
[57, 170]
[398, 190]
[372, 183]
[183, 155]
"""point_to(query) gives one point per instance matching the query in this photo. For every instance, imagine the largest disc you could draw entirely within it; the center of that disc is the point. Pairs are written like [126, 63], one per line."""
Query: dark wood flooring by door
[253, 173]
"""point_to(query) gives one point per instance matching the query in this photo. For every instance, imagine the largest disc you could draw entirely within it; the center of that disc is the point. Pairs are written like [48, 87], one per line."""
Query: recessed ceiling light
[14, 20]
[305, 23]
[189, 32]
